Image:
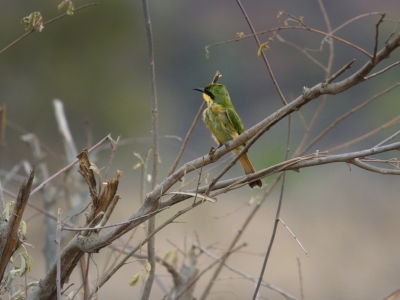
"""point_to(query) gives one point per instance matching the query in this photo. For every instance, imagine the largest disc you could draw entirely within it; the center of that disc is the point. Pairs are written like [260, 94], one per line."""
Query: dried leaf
[206, 177]
[22, 226]
[138, 165]
[35, 19]
[70, 10]
[28, 260]
[279, 16]
[8, 209]
[262, 48]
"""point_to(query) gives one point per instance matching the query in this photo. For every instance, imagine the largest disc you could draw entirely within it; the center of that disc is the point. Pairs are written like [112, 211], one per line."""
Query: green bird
[224, 123]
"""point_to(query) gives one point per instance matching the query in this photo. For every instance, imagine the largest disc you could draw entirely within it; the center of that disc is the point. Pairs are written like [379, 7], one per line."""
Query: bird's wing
[234, 119]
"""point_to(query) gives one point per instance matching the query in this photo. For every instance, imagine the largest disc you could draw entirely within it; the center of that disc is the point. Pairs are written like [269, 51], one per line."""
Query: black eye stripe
[209, 94]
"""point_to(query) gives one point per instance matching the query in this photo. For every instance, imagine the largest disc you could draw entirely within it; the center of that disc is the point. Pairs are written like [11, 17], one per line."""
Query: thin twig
[45, 23]
[357, 162]
[191, 283]
[302, 50]
[113, 145]
[271, 74]
[189, 134]
[327, 77]
[117, 224]
[244, 275]
[394, 295]
[238, 235]
[278, 210]
[86, 280]
[63, 128]
[382, 71]
[66, 167]
[346, 115]
[294, 236]
[154, 176]
[123, 261]
[377, 37]
[367, 135]
[293, 27]
[388, 139]
[300, 279]
[338, 73]
[58, 242]
[1, 201]
[187, 137]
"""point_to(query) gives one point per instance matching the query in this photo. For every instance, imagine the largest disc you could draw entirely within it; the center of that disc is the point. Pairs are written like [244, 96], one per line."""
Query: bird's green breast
[218, 123]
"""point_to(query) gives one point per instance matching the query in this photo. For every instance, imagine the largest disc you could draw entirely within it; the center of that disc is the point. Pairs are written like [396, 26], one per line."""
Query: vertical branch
[3, 116]
[186, 140]
[262, 53]
[58, 242]
[63, 128]
[278, 211]
[327, 75]
[10, 241]
[1, 202]
[154, 110]
[238, 235]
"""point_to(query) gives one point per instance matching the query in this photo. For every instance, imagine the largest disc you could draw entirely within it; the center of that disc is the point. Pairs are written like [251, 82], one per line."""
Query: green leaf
[135, 279]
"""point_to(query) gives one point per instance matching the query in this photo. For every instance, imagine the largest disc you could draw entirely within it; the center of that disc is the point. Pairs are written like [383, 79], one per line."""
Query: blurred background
[96, 62]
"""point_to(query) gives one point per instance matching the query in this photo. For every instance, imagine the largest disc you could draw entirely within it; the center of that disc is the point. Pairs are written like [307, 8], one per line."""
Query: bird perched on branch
[224, 123]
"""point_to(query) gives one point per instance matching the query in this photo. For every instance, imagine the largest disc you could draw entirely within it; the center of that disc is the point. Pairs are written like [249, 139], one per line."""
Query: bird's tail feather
[248, 169]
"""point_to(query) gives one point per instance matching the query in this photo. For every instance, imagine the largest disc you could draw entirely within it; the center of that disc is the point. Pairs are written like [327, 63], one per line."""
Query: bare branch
[367, 135]
[271, 74]
[301, 280]
[189, 285]
[350, 112]
[278, 210]
[238, 235]
[377, 36]
[293, 27]
[393, 295]
[154, 114]
[388, 139]
[122, 262]
[244, 275]
[338, 73]
[10, 237]
[357, 162]
[382, 71]
[65, 168]
[282, 40]
[45, 23]
[294, 236]
[187, 137]
[58, 242]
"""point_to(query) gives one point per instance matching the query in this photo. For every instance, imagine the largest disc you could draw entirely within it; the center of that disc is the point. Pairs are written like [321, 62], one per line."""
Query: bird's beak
[200, 90]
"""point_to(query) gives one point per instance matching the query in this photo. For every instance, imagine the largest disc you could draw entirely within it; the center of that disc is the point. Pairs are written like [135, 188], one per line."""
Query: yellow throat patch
[207, 98]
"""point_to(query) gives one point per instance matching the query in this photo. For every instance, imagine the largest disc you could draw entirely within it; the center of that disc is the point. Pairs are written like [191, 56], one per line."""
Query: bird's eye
[209, 94]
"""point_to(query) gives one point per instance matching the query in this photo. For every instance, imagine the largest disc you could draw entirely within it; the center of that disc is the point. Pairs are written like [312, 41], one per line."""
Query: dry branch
[9, 230]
